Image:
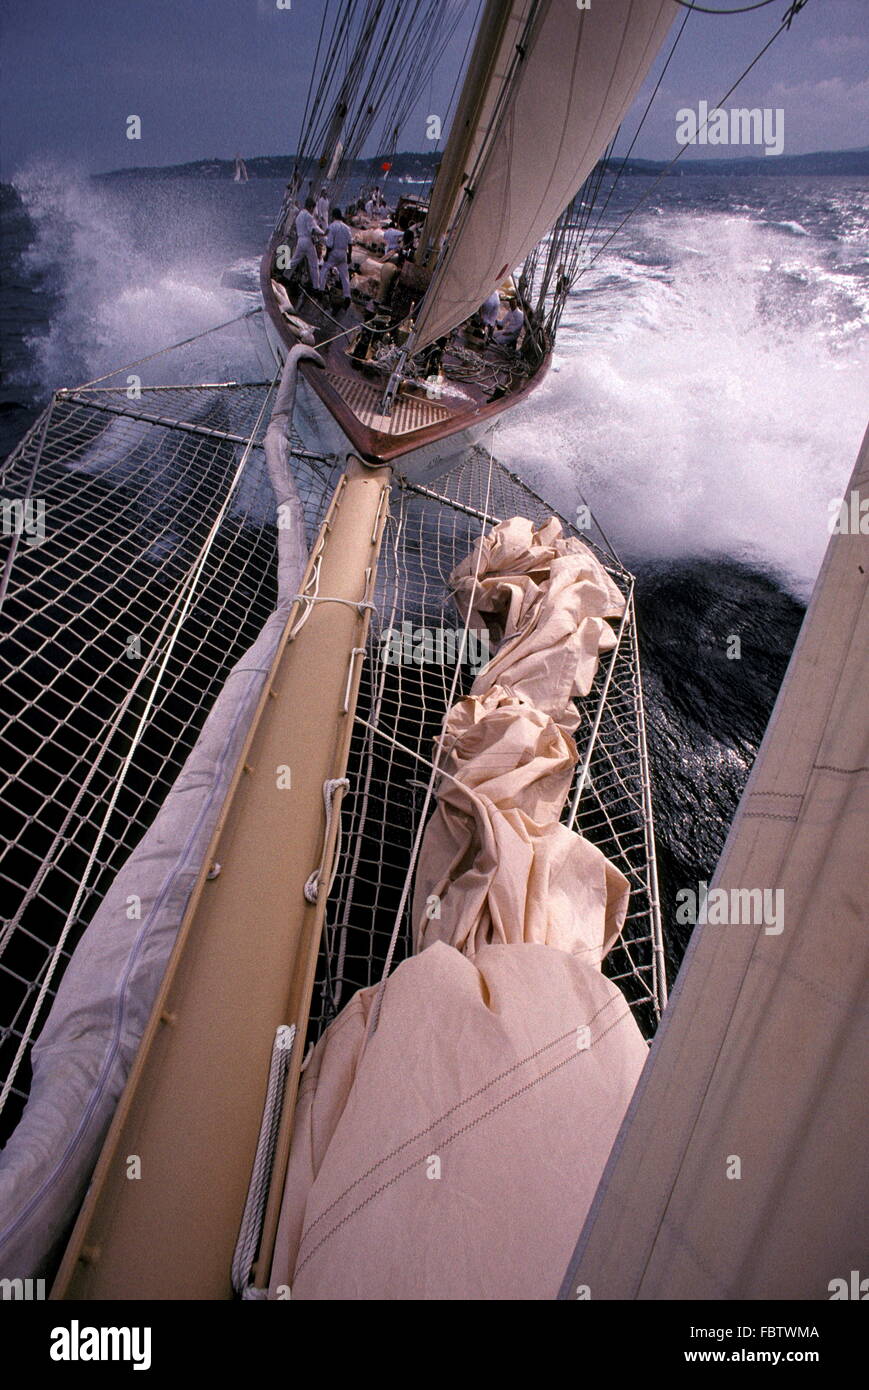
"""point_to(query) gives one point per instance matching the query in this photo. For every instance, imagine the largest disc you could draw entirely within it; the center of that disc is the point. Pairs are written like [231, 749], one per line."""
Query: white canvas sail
[446, 1124]
[499, 31]
[574, 75]
[740, 1172]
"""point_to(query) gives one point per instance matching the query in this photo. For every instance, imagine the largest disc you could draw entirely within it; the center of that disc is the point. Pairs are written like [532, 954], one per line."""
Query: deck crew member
[510, 326]
[321, 211]
[390, 275]
[307, 227]
[489, 310]
[338, 241]
[392, 238]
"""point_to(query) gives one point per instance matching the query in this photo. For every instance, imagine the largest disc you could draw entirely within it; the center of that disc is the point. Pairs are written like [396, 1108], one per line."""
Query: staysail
[558, 81]
[740, 1169]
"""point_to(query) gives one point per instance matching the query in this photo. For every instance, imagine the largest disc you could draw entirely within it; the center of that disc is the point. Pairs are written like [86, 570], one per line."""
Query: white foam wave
[130, 276]
[715, 414]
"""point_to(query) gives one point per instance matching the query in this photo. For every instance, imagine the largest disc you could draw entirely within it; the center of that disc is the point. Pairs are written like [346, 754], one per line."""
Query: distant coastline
[409, 166]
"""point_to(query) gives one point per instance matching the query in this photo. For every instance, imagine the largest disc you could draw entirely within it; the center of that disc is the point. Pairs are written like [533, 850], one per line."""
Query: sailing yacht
[363, 1008]
[404, 373]
[240, 174]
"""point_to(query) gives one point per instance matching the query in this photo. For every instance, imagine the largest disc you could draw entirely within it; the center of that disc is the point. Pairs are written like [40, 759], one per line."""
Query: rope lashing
[310, 599]
[312, 887]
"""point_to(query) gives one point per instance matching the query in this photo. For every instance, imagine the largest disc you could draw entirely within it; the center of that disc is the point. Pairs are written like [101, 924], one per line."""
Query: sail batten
[576, 75]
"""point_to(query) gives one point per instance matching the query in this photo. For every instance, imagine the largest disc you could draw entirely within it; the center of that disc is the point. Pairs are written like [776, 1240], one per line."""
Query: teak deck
[354, 400]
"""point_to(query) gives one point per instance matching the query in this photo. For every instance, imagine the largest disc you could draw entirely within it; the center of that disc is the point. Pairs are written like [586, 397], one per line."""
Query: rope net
[125, 507]
[402, 703]
[109, 503]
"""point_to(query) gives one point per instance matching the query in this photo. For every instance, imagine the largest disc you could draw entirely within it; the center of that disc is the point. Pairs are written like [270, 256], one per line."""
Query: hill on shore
[410, 165]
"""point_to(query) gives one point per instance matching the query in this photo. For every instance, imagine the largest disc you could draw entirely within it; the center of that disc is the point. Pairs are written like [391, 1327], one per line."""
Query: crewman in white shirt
[510, 326]
[321, 211]
[339, 239]
[392, 237]
[306, 226]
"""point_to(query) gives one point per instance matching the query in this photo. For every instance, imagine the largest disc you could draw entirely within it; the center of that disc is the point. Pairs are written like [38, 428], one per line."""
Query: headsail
[762, 1054]
[557, 99]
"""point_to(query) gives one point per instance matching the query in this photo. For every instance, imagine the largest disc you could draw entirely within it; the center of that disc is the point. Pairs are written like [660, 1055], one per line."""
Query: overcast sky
[215, 77]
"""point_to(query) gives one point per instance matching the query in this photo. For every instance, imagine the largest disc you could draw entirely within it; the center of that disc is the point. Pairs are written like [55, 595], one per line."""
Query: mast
[487, 67]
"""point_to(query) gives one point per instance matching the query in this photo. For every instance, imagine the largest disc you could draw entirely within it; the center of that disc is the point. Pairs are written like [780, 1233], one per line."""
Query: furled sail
[555, 96]
[446, 1122]
[740, 1172]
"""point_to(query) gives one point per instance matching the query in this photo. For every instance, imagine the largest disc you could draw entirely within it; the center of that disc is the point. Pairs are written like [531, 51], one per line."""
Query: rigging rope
[330, 787]
[566, 249]
[248, 314]
[373, 67]
[250, 1231]
[785, 24]
[742, 9]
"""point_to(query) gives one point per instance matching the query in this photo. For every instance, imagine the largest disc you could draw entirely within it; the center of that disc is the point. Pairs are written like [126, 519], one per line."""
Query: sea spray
[709, 393]
[135, 268]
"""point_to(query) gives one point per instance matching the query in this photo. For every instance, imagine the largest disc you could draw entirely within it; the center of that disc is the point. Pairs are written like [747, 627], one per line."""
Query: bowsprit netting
[124, 611]
[142, 566]
[401, 707]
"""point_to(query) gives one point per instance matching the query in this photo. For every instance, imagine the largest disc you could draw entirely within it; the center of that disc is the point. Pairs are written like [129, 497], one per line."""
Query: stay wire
[784, 25]
[707, 9]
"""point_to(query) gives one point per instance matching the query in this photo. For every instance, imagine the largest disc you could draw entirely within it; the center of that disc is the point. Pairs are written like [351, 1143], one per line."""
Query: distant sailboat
[241, 174]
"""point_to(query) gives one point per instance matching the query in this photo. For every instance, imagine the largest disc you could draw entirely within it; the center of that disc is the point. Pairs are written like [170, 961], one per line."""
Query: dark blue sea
[707, 400]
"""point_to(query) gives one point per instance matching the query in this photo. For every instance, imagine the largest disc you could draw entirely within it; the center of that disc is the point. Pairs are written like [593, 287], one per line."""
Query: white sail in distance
[560, 93]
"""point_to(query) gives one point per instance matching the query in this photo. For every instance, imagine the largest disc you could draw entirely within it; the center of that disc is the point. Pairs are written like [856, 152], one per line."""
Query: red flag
[386, 166]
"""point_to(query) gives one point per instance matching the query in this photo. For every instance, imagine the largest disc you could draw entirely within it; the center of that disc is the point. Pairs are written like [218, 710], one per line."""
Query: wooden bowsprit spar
[192, 1109]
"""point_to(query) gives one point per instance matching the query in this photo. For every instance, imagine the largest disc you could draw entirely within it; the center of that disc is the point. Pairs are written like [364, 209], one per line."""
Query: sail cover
[574, 78]
[444, 1127]
[741, 1169]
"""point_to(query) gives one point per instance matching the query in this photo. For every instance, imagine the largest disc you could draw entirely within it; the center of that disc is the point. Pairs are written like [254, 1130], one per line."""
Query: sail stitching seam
[493, 1081]
[457, 1134]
